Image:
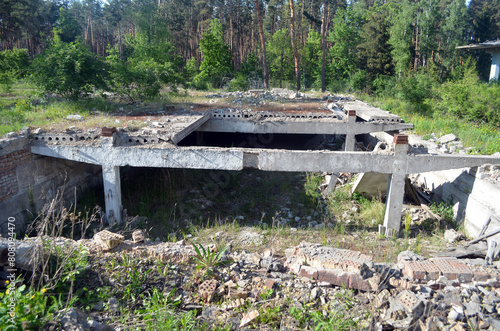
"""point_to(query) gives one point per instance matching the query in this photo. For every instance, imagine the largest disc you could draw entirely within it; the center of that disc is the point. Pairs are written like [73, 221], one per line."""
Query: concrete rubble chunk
[138, 236]
[452, 236]
[249, 317]
[108, 240]
[447, 138]
[413, 305]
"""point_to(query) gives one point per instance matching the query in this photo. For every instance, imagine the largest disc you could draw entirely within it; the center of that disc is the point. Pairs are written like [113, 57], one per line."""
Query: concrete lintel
[190, 158]
[426, 163]
[310, 127]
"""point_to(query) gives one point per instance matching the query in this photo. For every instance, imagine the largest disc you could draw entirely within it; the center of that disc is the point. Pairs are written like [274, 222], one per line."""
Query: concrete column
[396, 188]
[350, 138]
[111, 180]
[495, 66]
[112, 193]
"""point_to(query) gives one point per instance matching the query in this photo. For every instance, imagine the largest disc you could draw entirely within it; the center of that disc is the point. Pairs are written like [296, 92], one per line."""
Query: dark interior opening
[268, 141]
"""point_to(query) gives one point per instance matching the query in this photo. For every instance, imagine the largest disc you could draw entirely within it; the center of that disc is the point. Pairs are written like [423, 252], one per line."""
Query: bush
[470, 99]
[416, 88]
[69, 69]
[240, 83]
[13, 65]
[143, 67]
[359, 81]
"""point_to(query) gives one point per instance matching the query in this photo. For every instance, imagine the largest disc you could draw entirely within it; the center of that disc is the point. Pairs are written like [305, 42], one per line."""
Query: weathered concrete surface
[398, 165]
[474, 199]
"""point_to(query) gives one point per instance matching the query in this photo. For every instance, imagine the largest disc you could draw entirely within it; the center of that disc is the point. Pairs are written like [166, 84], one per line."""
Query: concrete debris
[452, 236]
[108, 240]
[249, 317]
[447, 138]
[27, 253]
[74, 117]
[138, 236]
[75, 319]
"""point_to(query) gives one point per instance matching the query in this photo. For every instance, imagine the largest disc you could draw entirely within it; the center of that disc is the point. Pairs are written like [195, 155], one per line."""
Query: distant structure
[493, 48]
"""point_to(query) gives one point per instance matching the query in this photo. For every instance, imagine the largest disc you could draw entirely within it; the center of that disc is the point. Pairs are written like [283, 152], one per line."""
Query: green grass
[484, 138]
[28, 112]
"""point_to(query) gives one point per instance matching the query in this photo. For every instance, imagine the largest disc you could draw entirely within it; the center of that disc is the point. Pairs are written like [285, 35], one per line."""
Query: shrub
[69, 69]
[143, 67]
[13, 65]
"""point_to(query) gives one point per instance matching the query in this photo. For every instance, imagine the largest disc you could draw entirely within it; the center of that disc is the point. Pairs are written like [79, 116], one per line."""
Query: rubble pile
[441, 293]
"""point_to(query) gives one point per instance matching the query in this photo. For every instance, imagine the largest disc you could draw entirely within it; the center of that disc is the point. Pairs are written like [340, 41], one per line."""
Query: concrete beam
[224, 125]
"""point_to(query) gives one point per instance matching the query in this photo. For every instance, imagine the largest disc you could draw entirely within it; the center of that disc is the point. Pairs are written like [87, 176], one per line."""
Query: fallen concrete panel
[371, 184]
[369, 113]
[184, 128]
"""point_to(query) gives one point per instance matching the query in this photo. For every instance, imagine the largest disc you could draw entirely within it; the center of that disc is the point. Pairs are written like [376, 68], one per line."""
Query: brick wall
[8, 164]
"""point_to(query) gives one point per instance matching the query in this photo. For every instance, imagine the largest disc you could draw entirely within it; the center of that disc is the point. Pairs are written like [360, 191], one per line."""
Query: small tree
[69, 69]
[216, 64]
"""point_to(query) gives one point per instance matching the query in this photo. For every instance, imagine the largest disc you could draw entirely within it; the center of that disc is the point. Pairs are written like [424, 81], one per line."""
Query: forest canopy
[135, 47]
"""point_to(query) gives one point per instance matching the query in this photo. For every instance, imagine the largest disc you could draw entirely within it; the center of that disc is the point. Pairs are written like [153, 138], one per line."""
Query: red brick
[414, 270]
[309, 272]
[480, 276]
[357, 282]
[448, 270]
[334, 277]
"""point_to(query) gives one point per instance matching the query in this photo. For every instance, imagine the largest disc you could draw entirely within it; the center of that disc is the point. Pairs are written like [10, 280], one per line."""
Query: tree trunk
[294, 47]
[263, 44]
[323, 48]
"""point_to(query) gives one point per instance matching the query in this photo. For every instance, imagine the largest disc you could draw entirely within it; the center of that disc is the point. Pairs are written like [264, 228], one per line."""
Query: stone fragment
[472, 309]
[452, 236]
[74, 117]
[138, 236]
[447, 138]
[108, 240]
[249, 317]
[271, 264]
[113, 305]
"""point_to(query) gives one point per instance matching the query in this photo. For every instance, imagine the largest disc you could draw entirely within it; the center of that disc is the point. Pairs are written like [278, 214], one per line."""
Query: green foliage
[32, 308]
[375, 50]
[67, 28]
[208, 260]
[143, 67]
[13, 65]
[280, 57]
[401, 36]
[470, 99]
[416, 88]
[216, 65]
[191, 69]
[445, 210]
[344, 37]
[69, 69]
[311, 59]
[311, 187]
